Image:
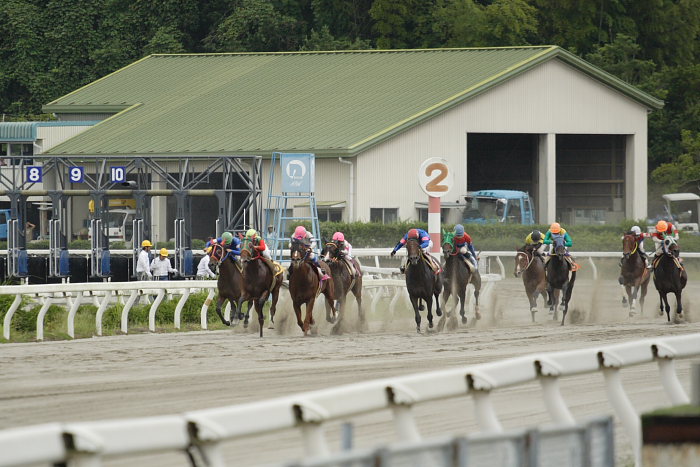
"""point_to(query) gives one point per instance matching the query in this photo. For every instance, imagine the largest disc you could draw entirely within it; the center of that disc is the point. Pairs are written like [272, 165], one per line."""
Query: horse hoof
[430, 325]
[418, 329]
[421, 308]
[271, 327]
[478, 315]
[227, 323]
[464, 320]
[245, 325]
[438, 312]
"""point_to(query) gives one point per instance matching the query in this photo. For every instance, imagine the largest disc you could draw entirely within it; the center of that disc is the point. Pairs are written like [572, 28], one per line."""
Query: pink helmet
[299, 232]
[339, 237]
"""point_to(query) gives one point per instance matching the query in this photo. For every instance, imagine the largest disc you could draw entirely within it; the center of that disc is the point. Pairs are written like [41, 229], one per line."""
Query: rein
[529, 262]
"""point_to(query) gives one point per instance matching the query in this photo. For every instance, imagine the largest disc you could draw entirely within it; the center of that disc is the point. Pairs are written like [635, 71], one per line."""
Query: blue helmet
[459, 230]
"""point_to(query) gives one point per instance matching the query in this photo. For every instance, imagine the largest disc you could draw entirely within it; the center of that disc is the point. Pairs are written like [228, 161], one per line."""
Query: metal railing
[207, 430]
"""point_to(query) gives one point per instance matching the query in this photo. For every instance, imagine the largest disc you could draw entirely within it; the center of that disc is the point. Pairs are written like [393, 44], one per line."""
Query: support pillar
[636, 176]
[159, 212]
[547, 179]
[434, 222]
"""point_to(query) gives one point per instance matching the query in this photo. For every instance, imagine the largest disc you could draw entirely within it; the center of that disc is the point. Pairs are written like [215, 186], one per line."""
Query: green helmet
[227, 237]
[251, 233]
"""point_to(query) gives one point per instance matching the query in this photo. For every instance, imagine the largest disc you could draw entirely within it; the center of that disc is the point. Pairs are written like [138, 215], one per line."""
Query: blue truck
[499, 206]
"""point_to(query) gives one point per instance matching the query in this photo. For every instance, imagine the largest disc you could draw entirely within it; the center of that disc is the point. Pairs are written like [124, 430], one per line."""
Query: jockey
[639, 237]
[343, 245]
[301, 235]
[422, 236]
[663, 229]
[463, 242]
[230, 242]
[555, 230]
[534, 239]
[259, 245]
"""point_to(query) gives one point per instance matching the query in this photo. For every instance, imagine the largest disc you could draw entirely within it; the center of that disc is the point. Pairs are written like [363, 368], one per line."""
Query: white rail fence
[378, 284]
[87, 444]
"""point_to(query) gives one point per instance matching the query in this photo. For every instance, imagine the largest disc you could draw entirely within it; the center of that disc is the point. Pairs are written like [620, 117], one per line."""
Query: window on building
[330, 214]
[423, 214]
[12, 153]
[384, 215]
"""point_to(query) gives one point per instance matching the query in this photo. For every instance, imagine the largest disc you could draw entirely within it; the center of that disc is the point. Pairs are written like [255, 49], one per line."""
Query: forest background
[48, 48]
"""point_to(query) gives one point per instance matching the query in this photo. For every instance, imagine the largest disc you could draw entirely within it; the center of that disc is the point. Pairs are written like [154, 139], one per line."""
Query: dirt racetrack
[165, 373]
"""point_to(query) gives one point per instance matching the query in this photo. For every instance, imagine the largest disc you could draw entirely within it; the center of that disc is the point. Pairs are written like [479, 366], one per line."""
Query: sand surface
[165, 373]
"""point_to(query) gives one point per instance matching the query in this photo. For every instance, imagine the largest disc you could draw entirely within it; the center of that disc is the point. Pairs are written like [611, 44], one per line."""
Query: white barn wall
[550, 98]
[50, 136]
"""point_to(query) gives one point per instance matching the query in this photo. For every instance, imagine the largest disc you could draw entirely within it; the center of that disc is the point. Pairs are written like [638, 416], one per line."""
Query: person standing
[203, 269]
[161, 266]
[143, 264]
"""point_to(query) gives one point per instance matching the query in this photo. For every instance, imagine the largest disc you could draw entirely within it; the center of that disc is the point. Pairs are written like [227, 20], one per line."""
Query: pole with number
[435, 180]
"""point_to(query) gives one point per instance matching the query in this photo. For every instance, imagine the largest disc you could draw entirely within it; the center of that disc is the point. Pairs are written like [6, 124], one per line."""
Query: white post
[125, 310]
[71, 314]
[101, 311]
[404, 423]
[485, 415]
[154, 308]
[624, 410]
[547, 179]
[8, 316]
[670, 382]
[636, 175]
[205, 307]
[553, 400]
[314, 440]
[434, 222]
[180, 306]
[40, 318]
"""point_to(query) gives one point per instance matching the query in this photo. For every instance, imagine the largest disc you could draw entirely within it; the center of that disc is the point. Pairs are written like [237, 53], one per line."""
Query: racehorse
[305, 285]
[669, 277]
[558, 278]
[422, 283]
[532, 270]
[229, 284]
[634, 275]
[344, 281]
[259, 282]
[456, 276]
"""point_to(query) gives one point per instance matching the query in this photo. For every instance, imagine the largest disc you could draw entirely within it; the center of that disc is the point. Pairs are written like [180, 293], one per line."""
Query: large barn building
[536, 119]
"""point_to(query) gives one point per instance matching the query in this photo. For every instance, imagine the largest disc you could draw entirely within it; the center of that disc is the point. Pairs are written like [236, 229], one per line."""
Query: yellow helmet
[146, 243]
[251, 233]
[164, 252]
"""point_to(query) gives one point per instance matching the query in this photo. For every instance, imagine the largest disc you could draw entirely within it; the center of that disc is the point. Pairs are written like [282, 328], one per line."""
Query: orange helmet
[661, 226]
[555, 227]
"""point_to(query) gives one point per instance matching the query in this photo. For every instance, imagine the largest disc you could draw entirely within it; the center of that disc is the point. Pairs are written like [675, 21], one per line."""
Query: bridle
[530, 259]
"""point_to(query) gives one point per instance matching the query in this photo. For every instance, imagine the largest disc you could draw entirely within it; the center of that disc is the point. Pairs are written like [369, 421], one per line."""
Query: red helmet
[413, 233]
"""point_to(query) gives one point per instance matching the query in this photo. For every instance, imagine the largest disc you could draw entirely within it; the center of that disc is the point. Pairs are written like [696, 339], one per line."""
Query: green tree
[324, 40]
[509, 22]
[572, 24]
[685, 170]
[165, 40]
[621, 58]
[255, 26]
[405, 24]
[344, 18]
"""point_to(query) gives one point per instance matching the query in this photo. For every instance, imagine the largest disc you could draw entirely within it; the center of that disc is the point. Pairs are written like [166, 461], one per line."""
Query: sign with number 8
[34, 174]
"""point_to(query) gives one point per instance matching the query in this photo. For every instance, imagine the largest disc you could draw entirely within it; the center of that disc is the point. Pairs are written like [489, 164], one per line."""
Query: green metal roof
[331, 103]
[26, 131]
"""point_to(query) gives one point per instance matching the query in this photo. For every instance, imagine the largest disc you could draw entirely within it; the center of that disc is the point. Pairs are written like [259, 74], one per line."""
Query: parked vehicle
[499, 206]
[682, 209]
[119, 220]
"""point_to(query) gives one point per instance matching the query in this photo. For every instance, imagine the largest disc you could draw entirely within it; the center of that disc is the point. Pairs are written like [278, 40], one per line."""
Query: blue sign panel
[298, 172]
[34, 174]
[76, 174]
[118, 174]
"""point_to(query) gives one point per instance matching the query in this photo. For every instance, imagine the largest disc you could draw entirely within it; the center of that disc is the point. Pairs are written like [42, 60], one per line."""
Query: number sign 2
[435, 177]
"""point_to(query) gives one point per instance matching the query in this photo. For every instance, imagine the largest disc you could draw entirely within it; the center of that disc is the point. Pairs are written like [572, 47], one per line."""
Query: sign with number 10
[435, 177]
[118, 174]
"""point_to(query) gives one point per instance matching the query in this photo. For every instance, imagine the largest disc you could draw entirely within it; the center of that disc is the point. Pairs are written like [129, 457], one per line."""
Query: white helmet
[636, 230]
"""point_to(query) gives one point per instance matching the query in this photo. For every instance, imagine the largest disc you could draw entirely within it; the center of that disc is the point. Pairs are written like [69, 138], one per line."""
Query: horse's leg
[273, 305]
[667, 307]
[340, 313]
[429, 304]
[555, 304]
[297, 311]
[437, 288]
[414, 302]
[629, 292]
[357, 292]
[309, 314]
[564, 302]
[550, 299]
[679, 305]
[643, 294]
[532, 298]
[259, 308]
[220, 302]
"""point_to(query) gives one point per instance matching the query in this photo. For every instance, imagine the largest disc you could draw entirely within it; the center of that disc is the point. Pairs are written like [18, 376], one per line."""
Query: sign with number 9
[76, 174]
[34, 174]
[435, 177]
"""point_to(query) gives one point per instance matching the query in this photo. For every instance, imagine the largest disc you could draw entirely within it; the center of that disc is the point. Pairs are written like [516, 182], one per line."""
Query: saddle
[676, 261]
[432, 262]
